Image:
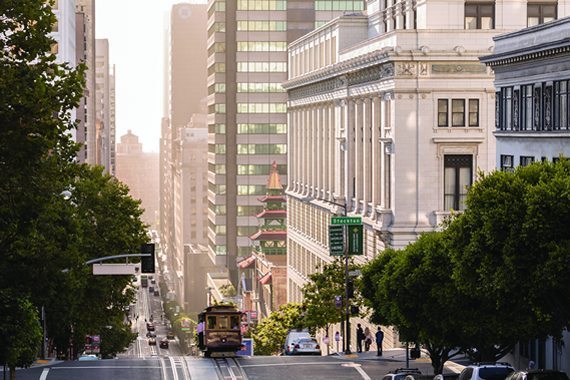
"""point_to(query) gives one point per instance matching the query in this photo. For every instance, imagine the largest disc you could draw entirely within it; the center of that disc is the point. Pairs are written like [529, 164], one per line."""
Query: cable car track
[229, 369]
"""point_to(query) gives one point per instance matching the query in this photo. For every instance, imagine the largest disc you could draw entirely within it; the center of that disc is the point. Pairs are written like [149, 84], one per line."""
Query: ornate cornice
[528, 54]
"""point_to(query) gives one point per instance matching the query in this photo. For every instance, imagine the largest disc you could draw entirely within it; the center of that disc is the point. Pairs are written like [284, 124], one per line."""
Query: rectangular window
[539, 13]
[458, 112]
[473, 112]
[526, 107]
[526, 160]
[442, 113]
[561, 90]
[507, 108]
[458, 177]
[479, 16]
[507, 163]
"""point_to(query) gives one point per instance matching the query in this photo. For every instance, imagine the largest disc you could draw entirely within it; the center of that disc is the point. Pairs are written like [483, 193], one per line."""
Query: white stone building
[391, 115]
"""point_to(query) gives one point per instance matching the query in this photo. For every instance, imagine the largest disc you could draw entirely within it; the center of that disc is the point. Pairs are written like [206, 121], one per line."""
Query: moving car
[151, 334]
[152, 341]
[170, 335]
[306, 346]
[87, 357]
[156, 293]
[150, 326]
[164, 343]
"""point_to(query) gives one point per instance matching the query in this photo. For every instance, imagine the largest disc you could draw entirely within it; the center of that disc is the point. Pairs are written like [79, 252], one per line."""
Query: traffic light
[147, 262]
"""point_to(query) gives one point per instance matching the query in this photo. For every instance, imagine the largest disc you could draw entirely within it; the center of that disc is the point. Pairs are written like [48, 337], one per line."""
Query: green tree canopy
[269, 335]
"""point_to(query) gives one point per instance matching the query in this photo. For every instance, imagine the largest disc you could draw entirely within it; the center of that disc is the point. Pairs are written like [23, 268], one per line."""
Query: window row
[459, 115]
[262, 46]
[507, 162]
[481, 15]
[252, 189]
[251, 169]
[259, 87]
[533, 107]
[261, 5]
[262, 128]
[217, 128]
[262, 26]
[261, 108]
[261, 148]
[339, 5]
[217, 189]
[261, 67]
[217, 148]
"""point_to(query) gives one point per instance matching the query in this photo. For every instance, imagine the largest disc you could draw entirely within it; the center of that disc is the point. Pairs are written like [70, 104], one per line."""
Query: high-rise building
[391, 116]
[247, 120]
[183, 153]
[104, 110]
[85, 50]
[139, 171]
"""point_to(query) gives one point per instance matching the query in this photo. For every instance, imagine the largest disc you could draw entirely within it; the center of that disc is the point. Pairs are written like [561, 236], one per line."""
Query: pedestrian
[367, 339]
[359, 337]
[379, 339]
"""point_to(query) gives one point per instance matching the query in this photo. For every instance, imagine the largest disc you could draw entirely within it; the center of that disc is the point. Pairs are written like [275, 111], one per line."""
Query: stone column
[376, 152]
[357, 153]
[366, 156]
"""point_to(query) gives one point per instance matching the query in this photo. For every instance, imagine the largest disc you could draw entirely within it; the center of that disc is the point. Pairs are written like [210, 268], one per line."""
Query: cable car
[219, 330]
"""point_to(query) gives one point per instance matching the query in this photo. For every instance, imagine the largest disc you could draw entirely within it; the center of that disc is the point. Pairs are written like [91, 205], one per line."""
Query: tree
[510, 252]
[269, 335]
[20, 331]
[320, 291]
[412, 289]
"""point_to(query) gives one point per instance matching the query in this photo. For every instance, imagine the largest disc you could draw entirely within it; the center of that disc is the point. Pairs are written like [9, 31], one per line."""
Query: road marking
[282, 364]
[173, 367]
[163, 367]
[362, 373]
[44, 374]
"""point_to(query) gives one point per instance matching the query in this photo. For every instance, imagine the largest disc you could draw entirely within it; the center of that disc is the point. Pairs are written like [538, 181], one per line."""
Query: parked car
[152, 341]
[486, 371]
[151, 289]
[151, 334]
[306, 346]
[164, 343]
[401, 373]
[156, 293]
[87, 357]
[291, 338]
[538, 374]
[170, 335]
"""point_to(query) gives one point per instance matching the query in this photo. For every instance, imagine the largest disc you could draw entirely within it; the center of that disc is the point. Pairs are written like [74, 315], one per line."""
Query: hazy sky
[135, 29]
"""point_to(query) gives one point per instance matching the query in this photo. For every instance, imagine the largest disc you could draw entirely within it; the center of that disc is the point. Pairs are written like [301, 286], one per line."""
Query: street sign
[336, 239]
[355, 239]
[355, 273]
[344, 220]
[115, 269]
[338, 301]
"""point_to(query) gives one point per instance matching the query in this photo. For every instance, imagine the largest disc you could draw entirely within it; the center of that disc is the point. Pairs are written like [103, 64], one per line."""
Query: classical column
[333, 152]
[358, 154]
[350, 152]
[340, 149]
[366, 156]
[290, 147]
[376, 152]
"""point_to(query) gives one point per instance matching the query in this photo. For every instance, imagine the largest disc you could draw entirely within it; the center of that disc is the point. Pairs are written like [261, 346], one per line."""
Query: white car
[306, 346]
[292, 337]
[88, 357]
[486, 371]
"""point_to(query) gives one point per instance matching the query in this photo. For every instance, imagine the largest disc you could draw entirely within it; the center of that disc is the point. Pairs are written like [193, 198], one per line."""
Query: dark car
[152, 341]
[538, 374]
[150, 326]
[164, 343]
[156, 293]
[170, 335]
[151, 334]
[151, 289]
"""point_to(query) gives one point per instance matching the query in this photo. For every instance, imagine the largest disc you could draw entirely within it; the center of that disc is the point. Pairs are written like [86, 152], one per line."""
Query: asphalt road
[194, 368]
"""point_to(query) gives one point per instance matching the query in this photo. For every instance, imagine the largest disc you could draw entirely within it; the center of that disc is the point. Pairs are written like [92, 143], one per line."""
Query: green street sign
[344, 220]
[355, 239]
[336, 239]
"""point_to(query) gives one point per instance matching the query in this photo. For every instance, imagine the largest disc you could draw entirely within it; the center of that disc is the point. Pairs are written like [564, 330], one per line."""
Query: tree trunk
[12, 373]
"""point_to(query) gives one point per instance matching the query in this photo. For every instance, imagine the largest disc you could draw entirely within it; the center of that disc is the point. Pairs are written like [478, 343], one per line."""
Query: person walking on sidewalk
[359, 337]
[379, 340]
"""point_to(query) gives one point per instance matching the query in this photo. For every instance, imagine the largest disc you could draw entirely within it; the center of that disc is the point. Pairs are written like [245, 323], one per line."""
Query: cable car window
[235, 322]
[223, 323]
[211, 322]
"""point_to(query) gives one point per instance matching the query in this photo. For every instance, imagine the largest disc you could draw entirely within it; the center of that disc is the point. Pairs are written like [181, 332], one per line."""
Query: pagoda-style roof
[272, 198]
[247, 262]
[269, 236]
[277, 214]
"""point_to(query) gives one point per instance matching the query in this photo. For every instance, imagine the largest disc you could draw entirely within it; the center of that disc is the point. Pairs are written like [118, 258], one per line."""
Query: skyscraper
[247, 120]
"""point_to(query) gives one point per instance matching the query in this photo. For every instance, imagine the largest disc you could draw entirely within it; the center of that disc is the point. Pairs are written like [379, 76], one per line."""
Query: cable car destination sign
[342, 227]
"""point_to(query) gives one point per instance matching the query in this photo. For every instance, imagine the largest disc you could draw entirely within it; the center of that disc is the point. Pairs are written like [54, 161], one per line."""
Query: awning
[269, 236]
[265, 279]
[246, 263]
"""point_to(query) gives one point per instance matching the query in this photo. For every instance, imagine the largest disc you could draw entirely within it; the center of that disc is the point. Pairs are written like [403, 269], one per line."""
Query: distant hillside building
[139, 171]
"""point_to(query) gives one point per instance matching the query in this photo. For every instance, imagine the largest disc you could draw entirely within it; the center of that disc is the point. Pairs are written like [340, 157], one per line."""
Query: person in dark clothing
[379, 339]
[359, 337]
